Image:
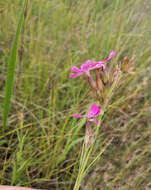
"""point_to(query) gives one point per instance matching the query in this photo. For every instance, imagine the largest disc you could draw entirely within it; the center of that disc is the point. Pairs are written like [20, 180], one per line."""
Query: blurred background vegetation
[42, 143]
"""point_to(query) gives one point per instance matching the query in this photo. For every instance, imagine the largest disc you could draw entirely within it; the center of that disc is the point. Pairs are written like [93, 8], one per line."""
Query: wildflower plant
[102, 88]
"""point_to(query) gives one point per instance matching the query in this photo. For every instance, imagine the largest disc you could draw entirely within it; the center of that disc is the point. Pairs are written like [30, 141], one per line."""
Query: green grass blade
[11, 67]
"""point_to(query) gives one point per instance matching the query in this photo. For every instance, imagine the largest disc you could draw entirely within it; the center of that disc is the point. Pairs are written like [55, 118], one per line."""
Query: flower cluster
[96, 86]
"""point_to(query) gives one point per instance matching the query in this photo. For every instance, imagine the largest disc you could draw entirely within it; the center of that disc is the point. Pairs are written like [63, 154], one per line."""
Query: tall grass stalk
[11, 67]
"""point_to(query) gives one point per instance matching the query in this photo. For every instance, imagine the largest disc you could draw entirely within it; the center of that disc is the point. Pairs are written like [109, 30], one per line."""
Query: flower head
[89, 65]
[93, 112]
[84, 69]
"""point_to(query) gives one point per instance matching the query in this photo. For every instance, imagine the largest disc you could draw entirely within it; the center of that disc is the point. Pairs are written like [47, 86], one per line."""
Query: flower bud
[99, 82]
[89, 137]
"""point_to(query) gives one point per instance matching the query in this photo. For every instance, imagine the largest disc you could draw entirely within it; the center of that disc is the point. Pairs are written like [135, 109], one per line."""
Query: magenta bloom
[89, 65]
[93, 112]
[84, 69]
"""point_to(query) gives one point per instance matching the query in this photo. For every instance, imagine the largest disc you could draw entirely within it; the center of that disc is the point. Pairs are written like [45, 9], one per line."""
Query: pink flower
[84, 69]
[93, 112]
[89, 65]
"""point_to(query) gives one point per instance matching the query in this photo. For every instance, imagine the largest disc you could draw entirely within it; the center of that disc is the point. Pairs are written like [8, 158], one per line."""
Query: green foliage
[11, 67]
[42, 145]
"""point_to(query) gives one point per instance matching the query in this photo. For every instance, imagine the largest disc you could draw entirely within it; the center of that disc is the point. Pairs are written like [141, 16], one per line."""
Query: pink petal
[73, 75]
[78, 115]
[86, 66]
[112, 53]
[75, 69]
[94, 111]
